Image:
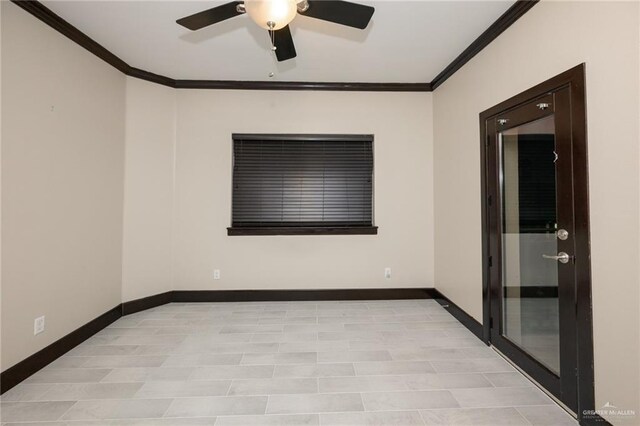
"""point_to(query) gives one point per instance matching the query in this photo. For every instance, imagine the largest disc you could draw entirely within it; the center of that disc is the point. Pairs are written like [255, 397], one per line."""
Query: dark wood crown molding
[519, 8]
[47, 16]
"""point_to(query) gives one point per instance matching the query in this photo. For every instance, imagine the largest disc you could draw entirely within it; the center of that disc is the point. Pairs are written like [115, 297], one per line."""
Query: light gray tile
[162, 374]
[407, 400]
[314, 403]
[75, 391]
[217, 406]
[314, 370]
[433, 325]
[511, 379]
[291, 320]
[184, 389]
[96, 350]
[124, 361]
[273, 386]
[354, 356]
[33, 411]
[546, 415]
[392, 368]
[343, 319]
[68, 362]
[500, 397]
[219, 338]
[403, 318]
[156, 349]
[313, 328]
[381, 418]
[473, 417]
[113, 331]
[280, 358]
[485, 365]
[374, 327]
[230, 329]
[284, 337]
[447, 381]
[362, 384]
[270, 420]
[117, 409]
[202, 360]
[72, 375]
[26, 392]
[228, 348]
[333, 346]
[233, 372]
[441, 354]
[148, 340]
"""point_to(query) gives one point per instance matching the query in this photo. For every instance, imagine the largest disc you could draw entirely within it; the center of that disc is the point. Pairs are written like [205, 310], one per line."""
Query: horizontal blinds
[302, 182]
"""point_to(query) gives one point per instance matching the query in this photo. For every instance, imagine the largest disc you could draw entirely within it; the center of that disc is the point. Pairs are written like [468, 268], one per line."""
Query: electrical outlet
[216, 274]
[38, 325]
[387, 273]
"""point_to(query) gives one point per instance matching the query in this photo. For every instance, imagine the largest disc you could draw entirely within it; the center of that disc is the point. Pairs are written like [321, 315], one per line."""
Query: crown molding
[507, 19]
[46, 15]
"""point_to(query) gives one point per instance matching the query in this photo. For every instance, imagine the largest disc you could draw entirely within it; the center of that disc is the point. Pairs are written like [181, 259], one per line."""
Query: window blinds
[282, 180]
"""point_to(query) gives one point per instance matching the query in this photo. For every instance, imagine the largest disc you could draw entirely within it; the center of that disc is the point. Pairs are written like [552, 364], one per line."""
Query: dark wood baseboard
[298, 295]
[533, 292]
[137, 305]
[25, 368]
[458, 313]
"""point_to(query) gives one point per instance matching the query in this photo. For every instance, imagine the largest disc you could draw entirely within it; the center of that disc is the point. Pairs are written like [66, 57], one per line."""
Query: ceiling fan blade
[283, 42]
[341, 12]
[210, 16]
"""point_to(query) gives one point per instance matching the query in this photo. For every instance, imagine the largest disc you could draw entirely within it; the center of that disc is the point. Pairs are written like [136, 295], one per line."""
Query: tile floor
[396, 362]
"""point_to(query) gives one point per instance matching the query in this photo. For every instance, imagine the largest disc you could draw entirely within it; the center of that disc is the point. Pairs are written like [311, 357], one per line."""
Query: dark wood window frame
[313, 228]
[575, 79]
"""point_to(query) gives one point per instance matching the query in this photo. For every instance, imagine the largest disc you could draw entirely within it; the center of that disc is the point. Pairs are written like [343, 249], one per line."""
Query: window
[302, 184]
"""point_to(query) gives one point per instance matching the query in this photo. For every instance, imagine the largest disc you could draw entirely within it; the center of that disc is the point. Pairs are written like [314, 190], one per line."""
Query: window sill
[300, 230]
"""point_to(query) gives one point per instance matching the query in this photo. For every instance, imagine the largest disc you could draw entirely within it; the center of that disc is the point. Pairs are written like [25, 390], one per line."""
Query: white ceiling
[406, 41]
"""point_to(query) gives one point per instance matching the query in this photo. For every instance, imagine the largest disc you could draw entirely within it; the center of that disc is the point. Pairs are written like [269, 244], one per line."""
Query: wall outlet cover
[387, 273]
[216, 274]
[38, 325]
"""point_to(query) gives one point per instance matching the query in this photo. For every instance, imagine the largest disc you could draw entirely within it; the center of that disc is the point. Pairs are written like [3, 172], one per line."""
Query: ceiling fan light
[278, 12]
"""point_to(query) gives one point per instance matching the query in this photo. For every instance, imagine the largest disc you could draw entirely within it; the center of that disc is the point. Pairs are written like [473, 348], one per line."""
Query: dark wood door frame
[574, 79]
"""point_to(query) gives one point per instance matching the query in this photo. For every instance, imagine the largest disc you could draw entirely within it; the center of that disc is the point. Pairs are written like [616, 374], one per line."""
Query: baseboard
[531, 292]
[25, 368]
[298, 295]
[467, 320]
[148, 302]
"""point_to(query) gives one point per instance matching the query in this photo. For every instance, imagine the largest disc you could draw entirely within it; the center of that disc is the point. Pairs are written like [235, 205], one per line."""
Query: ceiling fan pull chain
[272, 34]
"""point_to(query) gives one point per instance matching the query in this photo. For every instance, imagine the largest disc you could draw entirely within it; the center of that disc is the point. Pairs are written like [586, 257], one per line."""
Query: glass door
[530, 305]
[532, 285]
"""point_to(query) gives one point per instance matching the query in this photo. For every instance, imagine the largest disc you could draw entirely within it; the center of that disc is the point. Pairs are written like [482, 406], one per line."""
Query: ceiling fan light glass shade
[280, 12]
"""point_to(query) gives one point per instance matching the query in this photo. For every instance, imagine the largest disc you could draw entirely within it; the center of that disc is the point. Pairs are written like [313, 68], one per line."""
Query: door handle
[562, 257]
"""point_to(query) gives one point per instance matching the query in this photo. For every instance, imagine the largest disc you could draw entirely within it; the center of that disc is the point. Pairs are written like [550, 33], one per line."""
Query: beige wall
[549, 39]
[62, 183]
[401, 123]
[148, 195]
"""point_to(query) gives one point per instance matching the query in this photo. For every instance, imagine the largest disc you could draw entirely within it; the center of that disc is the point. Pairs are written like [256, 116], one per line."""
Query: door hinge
[490, 261]
[489, 200]
[490, 322]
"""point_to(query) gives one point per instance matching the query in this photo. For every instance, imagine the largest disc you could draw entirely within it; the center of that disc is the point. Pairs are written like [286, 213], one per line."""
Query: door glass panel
[530, 281]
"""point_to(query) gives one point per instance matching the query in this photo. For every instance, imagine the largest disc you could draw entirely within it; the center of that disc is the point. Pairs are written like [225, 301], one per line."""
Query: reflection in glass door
[530, 308]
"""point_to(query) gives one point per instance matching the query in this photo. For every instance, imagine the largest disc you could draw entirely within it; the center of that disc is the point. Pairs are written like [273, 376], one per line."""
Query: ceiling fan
[275, 16]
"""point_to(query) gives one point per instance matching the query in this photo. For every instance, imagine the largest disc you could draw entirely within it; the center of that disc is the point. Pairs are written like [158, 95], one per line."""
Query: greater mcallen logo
[608, 409]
